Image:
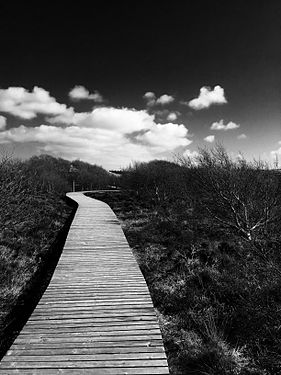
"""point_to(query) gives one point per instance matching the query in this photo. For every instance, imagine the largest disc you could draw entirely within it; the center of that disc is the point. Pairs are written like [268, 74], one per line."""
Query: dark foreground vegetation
[207, 236]
[34, 220]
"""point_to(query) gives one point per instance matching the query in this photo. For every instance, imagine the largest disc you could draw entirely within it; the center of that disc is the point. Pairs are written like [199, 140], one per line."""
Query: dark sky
[131, 42]
[124, 49]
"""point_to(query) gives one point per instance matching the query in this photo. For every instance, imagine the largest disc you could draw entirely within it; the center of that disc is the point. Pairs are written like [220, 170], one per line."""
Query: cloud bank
[112, 137]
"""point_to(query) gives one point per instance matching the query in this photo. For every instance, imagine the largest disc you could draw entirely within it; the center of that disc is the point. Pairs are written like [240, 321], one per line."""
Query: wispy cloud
[152, 100]
[19, 102]
[210, 138]
[81, 93]
[3, 122]
[207, 97]
[221, 126]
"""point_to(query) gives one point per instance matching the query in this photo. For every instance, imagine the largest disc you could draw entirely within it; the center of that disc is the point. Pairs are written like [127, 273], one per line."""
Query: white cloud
[111, 137]
[18, 102]
[68, 117]
[242, 136]
[220, 126]
[124, 120]
[207, 97]
[165, 99]
[152, 100]
[3, 122]
[167, 136]
[81, 93]
[209, 138]
[164, 115]
[172, 116]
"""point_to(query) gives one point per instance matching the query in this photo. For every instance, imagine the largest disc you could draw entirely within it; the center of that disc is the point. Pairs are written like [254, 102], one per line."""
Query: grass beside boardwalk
[219, 303]
[32, 223]
[34, 219]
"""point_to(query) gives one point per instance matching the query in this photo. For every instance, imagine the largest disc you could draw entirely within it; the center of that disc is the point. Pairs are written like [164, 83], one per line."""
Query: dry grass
[29, 225]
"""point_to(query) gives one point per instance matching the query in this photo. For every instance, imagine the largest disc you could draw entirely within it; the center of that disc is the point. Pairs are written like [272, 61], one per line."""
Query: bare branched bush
[241, 196]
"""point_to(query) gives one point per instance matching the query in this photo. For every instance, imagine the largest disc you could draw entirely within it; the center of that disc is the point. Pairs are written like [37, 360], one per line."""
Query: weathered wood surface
[96, 316]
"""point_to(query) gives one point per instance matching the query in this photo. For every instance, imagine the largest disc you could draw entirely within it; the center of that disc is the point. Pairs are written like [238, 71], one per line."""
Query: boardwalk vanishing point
[96, 316]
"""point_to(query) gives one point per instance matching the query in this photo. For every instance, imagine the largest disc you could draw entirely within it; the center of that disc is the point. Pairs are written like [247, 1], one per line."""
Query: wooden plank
[82, 300]
[98, 322]
[105, 309]
[109, 350]
[103, 344]
[90, 328]
[103, 371]
[91, 316]
[84, 339]
[95, 294]
[96, 316]
[85, 364]
[88, 334]
[83, 357]
[124, 314]
[85, 326]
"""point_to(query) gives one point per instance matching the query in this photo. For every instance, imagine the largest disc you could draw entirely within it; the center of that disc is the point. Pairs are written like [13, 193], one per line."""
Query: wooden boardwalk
[96, 316]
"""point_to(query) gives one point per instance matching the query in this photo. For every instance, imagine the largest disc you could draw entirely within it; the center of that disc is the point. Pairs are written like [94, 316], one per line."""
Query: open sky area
[111, 83]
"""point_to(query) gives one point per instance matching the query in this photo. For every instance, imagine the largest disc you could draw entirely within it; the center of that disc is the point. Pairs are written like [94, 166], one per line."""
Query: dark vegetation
[207, 236]
[34, 220]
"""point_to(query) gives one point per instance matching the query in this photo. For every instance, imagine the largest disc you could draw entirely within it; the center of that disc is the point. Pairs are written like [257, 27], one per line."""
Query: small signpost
[73, 171]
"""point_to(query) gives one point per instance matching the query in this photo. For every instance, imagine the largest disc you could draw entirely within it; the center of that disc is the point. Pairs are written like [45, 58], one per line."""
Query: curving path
[96, 316]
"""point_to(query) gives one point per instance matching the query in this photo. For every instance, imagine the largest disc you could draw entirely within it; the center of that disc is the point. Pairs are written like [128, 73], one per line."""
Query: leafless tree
[243, 197]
